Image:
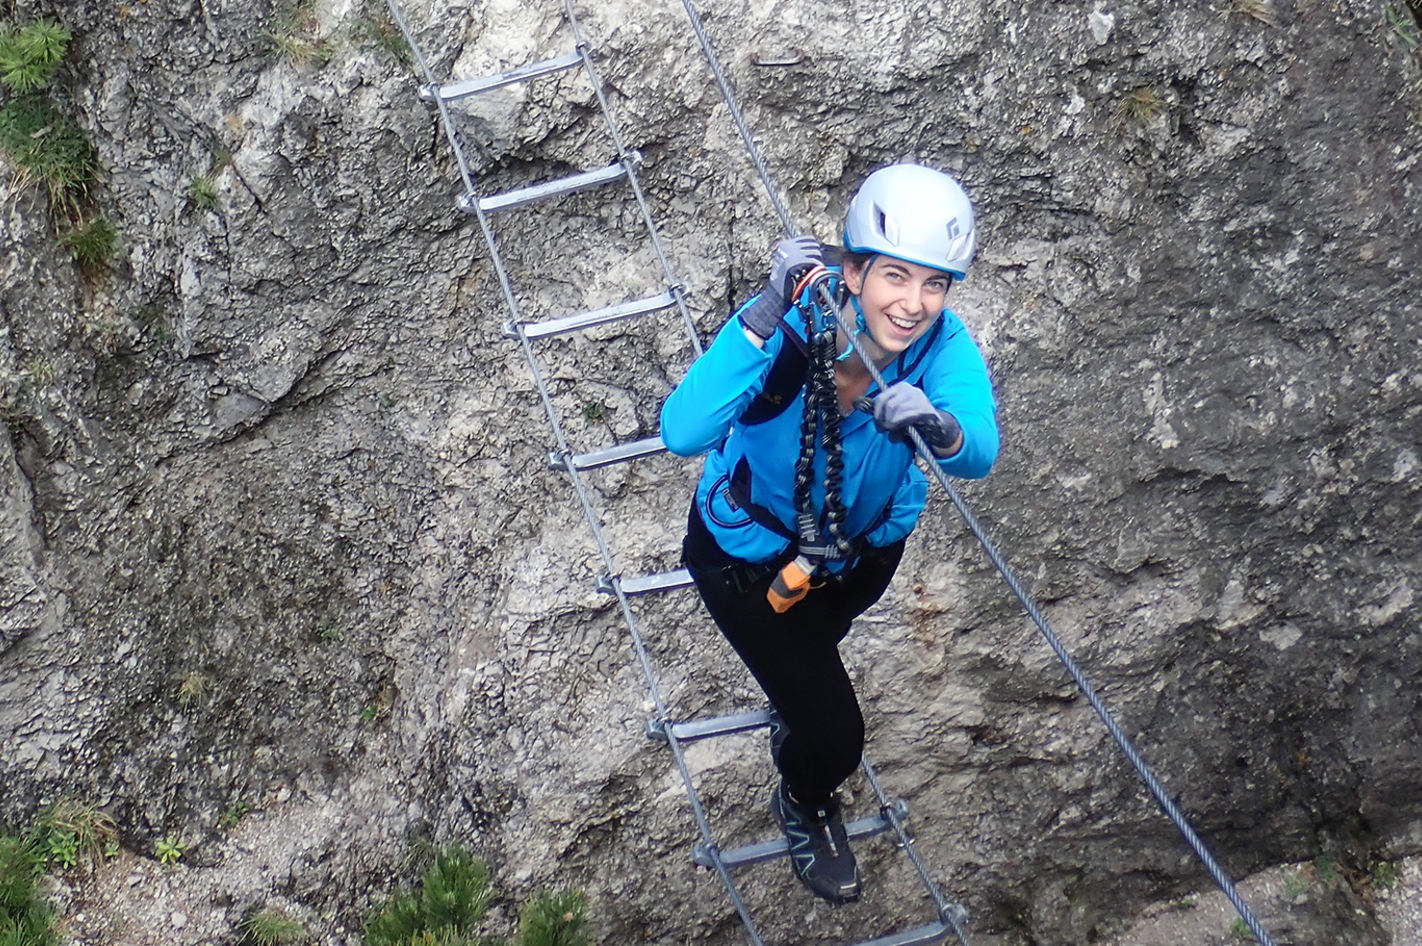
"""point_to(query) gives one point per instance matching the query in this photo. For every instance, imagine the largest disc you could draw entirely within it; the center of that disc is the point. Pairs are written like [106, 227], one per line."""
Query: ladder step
[612, 313]
[932, 933]
[694, 729]
[620, 453]
[770, 850]
[467, 87]
[645, 584]
[531, 195]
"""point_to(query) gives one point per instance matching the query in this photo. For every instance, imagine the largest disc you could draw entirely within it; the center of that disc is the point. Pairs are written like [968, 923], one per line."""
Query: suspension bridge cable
[1221, 878]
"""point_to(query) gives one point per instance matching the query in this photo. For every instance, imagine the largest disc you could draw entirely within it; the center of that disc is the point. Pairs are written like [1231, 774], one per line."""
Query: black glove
[792, 258]
[903, 406]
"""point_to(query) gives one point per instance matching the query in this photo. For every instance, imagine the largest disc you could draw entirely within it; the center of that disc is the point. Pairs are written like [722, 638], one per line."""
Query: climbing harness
[1127, 747]
[892, 814]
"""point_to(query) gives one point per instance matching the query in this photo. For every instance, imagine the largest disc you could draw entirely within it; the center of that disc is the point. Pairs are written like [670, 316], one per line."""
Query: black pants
[794, 656]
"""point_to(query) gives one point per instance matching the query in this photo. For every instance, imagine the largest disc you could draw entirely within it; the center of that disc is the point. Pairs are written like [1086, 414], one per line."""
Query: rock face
[277, 529]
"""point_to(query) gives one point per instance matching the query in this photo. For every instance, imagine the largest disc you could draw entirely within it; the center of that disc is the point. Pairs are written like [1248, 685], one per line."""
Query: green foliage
[49, 149]
[376, 30]
[37, 371]
[192, 689]
[1295, 885]
[1382, 877]
[25, 919]
[1325, 868]
[19, 863]
[170, 850]
[70, 830]
[595, 412]
[234, 813]
[1404, 26]
[555, 919]
[29, 55]
[62, 849]
[92, 244]
[453, 897]
[1141, 104]
[302, 50]
[202, 192]
[1239, 930]
[294, 35]
[272, 928]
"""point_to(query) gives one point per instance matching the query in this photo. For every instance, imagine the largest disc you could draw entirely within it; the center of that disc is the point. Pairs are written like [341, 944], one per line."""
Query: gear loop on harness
[815, 293]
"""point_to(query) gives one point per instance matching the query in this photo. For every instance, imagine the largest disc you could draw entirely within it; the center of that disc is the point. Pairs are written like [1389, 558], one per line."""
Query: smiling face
[901, 300]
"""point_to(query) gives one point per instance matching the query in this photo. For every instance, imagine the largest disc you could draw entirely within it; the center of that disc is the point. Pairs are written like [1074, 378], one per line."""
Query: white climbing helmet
[913, 213]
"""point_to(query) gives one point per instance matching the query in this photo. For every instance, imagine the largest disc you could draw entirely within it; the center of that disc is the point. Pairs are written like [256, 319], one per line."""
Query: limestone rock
[277, 529]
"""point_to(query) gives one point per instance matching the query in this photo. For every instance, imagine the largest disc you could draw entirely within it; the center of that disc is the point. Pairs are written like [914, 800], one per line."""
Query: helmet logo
[956, 239]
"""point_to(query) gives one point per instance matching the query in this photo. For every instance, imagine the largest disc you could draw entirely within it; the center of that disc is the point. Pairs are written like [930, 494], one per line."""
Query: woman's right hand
[791, 260]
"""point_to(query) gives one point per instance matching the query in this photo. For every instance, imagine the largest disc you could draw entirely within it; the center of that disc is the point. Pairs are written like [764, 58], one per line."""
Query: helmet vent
[888, 227]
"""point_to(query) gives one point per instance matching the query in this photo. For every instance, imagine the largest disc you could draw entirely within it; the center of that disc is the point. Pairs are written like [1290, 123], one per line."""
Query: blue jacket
[882, 490]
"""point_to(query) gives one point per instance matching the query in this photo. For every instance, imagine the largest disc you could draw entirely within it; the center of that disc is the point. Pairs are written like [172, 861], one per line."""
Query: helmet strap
[861, 327]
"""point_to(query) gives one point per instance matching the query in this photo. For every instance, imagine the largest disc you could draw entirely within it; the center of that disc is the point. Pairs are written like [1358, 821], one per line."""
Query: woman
[753, 536]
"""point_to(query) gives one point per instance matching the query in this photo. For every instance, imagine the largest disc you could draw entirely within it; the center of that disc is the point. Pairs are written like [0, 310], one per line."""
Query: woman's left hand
[902, 406]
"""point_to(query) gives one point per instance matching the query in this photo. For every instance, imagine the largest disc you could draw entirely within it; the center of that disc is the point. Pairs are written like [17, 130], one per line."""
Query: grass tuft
[37, 371]
[202, 192]
[294, 36]
[51, 150]
[93, 245]
[25, 919]
[1142, 104]
[272, 928]
[376, 30]
[594, 412]
[1405, 27]
[69, 829]
[192, 689]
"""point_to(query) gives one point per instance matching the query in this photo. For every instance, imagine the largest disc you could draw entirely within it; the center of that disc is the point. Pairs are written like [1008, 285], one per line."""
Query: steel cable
[1157, 790]
[562, 446]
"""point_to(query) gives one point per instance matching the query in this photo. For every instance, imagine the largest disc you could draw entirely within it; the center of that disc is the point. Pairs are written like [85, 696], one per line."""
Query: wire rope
[1127, 747]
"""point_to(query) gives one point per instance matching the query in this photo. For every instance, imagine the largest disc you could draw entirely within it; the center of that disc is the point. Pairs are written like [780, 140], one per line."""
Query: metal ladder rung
[645, 584]
[582, 320]
[932, 933]
[694, 729]
[467, 87]
[531, 195]
[770, 850]
[597, 459]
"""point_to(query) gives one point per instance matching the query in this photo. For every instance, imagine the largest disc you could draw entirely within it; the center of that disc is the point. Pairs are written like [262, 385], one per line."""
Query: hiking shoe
[819, 848]
[778, 732]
